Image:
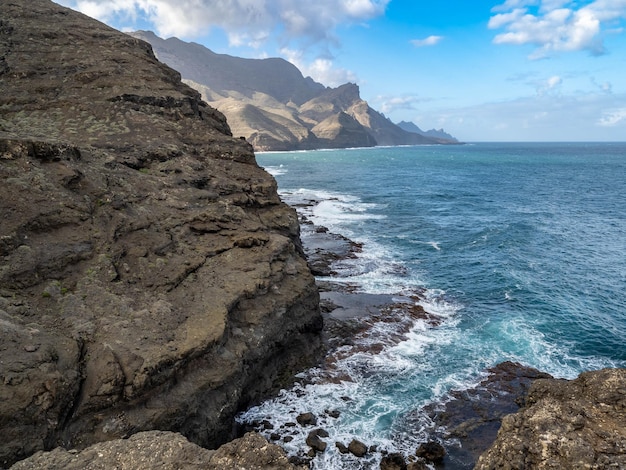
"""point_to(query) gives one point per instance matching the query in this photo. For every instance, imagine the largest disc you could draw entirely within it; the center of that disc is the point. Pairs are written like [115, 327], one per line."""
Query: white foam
[276, 170]
[372, 389]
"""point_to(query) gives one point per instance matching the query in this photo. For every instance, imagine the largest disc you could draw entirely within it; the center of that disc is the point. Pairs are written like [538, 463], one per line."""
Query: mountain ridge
[292, 112]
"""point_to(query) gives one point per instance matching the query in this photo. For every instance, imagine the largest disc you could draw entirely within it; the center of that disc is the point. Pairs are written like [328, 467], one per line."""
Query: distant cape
[271, 104]
[436, 133]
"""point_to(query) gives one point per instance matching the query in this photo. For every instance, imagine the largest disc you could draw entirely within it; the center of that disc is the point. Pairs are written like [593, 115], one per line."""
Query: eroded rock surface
[164, 450]
[565, 424]
[150, 277]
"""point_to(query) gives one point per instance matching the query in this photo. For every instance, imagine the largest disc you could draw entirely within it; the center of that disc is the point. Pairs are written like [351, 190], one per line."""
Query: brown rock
[251, 452]
[357, 448]
[151, 278]
[393, 462]
[341, 447]
[163, 450]
[314, 440]
[306, 419]
[565, 424]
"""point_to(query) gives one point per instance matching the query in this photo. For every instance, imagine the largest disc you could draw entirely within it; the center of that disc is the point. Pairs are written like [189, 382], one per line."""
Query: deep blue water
[521, 249]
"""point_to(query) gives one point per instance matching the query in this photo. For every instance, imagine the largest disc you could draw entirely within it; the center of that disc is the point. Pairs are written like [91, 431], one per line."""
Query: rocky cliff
[150, 278]
[271, 104]
[565, 424]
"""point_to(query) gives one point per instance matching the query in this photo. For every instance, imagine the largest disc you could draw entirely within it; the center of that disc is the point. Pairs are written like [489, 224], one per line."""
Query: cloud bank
[248, 22]
[555, 26]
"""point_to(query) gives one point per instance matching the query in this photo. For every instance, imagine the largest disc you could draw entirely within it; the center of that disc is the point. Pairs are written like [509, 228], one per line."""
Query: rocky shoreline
[465, 427]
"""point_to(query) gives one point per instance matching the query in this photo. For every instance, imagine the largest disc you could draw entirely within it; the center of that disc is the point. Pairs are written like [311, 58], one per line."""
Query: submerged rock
[431, 451]
[151, 278]
[467, 423]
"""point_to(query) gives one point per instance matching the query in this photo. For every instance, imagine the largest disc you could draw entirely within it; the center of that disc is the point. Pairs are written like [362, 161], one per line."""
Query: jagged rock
[565, 424]
[251, 452]
[163, 450]
[150, 277]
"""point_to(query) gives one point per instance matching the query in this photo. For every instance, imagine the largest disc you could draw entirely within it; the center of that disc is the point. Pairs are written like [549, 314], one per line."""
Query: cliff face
[565, 424]
[150, 276]
[269, 102]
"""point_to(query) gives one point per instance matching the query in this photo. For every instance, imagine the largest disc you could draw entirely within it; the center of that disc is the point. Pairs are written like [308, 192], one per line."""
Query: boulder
[306, 419]
[393, 461]
[357, 448]
[315, 442]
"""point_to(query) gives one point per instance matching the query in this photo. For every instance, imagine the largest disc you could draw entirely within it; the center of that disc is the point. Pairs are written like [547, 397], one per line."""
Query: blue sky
[514, 70]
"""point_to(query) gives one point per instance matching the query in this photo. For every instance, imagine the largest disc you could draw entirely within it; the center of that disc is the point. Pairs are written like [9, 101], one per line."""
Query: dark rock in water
[473, 416]
[431, 451]
[565, 424]
[393, 462]
[163, 450]
[357, 448]
[151, 278]
[314, 440]
[306, 419]
[341, 447]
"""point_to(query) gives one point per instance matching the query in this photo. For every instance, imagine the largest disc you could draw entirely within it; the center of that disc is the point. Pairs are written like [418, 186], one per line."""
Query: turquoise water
[519, 250]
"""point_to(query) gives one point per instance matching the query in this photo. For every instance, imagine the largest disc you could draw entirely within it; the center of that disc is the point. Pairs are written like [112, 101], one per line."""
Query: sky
[513, 70]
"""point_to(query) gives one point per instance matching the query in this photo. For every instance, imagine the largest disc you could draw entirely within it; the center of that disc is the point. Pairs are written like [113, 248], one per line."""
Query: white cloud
[547, 117]
[513, 4]
[556, 25]
[429, 41]
[390, 104]
[554, 81]
[245, 21]
[321, 70]
[613, 117]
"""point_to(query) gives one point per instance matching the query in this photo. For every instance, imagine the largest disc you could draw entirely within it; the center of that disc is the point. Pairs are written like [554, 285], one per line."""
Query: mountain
[439, 134]
[272, 105]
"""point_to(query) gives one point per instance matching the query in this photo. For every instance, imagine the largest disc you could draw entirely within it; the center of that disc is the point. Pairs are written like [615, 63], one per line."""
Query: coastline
[463, 425]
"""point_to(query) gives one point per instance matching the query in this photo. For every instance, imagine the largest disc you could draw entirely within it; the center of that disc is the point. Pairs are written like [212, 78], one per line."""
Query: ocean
[517, 250]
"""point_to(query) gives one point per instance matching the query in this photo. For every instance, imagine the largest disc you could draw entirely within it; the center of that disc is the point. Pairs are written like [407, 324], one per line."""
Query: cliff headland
[151, 278]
